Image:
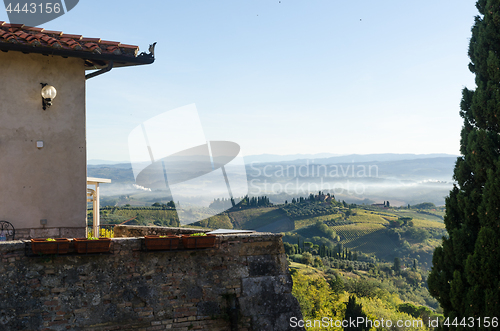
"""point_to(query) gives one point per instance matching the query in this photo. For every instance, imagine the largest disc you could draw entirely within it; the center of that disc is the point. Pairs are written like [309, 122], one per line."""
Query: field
[308, 221]
[366, 216]
[437, 216]
[372, 232]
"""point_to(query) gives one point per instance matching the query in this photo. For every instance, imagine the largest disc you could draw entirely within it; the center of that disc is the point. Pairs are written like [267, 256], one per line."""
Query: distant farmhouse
[381, 205]
[43, 172]
[324, 198]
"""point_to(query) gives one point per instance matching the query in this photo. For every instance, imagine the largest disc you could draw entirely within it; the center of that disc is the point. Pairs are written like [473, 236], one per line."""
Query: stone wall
[243, 284]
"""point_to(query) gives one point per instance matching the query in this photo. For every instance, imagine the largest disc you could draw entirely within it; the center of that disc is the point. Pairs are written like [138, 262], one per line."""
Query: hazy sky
[284, 77]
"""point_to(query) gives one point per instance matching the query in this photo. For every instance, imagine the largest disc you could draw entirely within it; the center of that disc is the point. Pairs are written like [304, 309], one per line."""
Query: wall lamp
[48, 94]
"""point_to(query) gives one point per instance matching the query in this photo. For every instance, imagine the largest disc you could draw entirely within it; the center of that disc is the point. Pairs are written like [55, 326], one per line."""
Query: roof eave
[92, 60]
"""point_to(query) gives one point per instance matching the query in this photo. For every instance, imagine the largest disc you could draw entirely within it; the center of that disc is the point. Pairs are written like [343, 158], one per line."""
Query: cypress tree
[353, 311]
[465, 273]
[397, 265]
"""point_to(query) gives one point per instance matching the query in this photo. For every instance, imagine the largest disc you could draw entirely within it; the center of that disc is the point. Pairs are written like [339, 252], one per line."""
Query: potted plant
[168, 242]
[92, 245]
[50, 246]
[198, 240]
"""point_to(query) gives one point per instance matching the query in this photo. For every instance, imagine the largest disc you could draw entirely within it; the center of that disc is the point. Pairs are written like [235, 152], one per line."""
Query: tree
[425, 205]
[397, 265]
[336, 284]
[317, 262]
[307, 244]
[307, 258]
[289, 248]
[354, 310]
[464, 275]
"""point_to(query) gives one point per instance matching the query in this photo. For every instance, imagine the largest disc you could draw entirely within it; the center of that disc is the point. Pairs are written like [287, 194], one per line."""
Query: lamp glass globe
[49, 92]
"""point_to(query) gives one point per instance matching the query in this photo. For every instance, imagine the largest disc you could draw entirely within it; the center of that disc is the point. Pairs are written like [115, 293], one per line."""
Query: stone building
[43, 180]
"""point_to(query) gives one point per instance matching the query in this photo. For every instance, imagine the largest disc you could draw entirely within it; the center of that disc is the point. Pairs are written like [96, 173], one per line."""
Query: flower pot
[84, 245]
[42, 246]
[169, 242]
[198, 241]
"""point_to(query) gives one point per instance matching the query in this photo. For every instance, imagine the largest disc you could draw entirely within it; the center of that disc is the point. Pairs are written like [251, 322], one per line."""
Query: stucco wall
[242, 285]
[47, 183]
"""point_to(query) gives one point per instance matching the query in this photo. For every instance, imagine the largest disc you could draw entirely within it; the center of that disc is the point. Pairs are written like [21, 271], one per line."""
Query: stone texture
[243, 284]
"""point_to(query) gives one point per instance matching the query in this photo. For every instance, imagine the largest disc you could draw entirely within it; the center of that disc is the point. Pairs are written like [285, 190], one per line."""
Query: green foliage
[397, 265]
[307, 258]
[198, 234]
[317, 263]
[336, 284]
[424, 205]
[159, 216]
[245, 202]
[416, 311]
[363, 287]
[315, 298]
[309, 208]
[289, 248]
[354, 310]
[465, 273]
[377, 295]
[222, 204]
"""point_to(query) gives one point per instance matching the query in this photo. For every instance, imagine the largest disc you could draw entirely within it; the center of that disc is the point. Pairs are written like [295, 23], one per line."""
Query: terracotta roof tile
[72, 36]
[59, 33]
[113, 43]
[95, 40]
[112, 49]
[8, 25]
[91, 46]
[29, 28]
[32, 39]
[129, 46]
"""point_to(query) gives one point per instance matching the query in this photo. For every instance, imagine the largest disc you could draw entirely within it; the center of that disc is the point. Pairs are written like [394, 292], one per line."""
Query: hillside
[375, 234]
[267, 219]
[380, 293]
